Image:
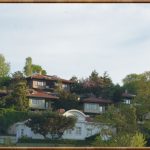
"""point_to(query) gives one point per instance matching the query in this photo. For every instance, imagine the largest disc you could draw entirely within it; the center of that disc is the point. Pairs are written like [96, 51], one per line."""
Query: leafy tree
[36, 69]
[122, 117]
[28, 67]
[50, 123]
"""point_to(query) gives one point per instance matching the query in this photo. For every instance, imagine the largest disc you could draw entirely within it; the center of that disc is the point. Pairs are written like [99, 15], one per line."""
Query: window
[89, 132]
[100, 108]
[127, 101]
[39, 83]
[78, 130]
[37, 102]
[69, 131]
[22, 132]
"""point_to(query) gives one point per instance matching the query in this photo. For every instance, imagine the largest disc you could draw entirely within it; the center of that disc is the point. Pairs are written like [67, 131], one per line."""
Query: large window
[88, 107]
[37, 102]
[39, 83]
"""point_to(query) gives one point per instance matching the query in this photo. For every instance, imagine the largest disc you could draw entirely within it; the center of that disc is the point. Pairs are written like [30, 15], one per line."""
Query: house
[84, 128]
[127, 97]
[42, 90]
[47, 83]
[93, 105]
[40, 100]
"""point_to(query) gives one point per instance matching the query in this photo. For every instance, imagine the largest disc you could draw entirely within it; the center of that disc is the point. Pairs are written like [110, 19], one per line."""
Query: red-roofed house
[95, 105]
[40, 100]
[41, 94]
[47, 83]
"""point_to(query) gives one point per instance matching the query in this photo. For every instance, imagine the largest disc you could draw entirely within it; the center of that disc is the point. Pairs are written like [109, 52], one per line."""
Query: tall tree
[4, 67]
[28, 66]
[19, 95]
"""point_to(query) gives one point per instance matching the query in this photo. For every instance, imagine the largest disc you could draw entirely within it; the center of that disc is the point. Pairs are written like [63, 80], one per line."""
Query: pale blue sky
[74, 39]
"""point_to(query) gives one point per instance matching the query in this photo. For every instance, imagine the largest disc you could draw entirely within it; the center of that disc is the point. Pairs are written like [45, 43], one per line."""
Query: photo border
[74, 1]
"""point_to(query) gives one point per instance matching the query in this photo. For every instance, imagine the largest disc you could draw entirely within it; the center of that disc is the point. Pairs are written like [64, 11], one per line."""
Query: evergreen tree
[28, 67]
[4, 67]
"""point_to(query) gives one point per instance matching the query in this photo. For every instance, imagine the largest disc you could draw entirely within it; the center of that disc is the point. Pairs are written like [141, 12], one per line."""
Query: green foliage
[67, 100]
[52, 123]
[5, 82]
[121, 140]
[4, 67]
[9, 116]
[99, 142]
[16, 92]
[43, 72]
[122, 117]
[30, 68]
[18, 75]
[138, 140]
[19, 96]
[38, 69]
[116, 95]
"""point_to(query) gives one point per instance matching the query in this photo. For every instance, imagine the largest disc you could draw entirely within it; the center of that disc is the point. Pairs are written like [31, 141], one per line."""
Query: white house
[84, 128]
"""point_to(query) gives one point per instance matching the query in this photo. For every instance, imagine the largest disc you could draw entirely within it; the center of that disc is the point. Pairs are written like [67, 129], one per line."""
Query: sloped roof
[38, 94]
[96, 100]
[47, 77]
[128, 95]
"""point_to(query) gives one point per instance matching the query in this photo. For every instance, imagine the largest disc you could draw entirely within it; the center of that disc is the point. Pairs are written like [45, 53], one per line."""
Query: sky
[75, 39]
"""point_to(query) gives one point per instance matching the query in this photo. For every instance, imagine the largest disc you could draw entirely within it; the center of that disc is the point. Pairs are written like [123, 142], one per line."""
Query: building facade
[83, 128]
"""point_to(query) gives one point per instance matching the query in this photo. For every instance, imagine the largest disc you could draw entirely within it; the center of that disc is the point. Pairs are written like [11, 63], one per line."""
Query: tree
[19, 96]
[38, 69]
[28, 67]
[4, 67]
[46, 123]
[116, 93]
[67, 100]
[18, 75]
[121, 117]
